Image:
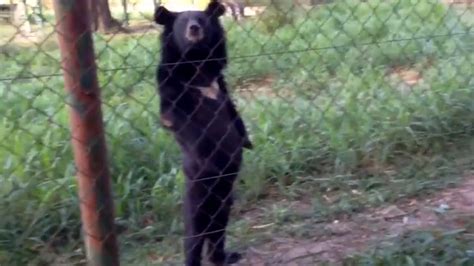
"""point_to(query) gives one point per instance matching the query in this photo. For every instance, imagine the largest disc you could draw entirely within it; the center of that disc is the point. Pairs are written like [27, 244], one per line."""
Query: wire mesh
[360, 115]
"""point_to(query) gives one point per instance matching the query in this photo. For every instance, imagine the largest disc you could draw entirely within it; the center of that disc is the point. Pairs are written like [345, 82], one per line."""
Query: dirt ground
[450, 208]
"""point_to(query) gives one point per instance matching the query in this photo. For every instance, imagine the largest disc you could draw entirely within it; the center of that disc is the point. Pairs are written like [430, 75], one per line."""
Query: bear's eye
[201, 21]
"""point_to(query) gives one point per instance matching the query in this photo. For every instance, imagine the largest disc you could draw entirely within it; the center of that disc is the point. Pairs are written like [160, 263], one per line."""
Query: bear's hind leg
[193, 246]
[217, 230]
[196, 223]
[216, 246]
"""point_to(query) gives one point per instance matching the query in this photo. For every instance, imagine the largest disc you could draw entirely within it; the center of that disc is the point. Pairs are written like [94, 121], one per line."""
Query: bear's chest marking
[211, 91]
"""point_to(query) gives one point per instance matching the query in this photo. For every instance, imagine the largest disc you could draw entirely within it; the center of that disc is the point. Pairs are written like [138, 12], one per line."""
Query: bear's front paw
[166, 121]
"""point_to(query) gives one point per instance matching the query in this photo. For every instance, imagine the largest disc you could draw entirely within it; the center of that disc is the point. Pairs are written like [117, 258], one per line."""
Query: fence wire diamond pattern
[360, 116]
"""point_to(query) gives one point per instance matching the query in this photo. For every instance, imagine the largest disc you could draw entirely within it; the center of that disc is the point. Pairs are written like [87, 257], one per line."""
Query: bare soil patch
[331, 242]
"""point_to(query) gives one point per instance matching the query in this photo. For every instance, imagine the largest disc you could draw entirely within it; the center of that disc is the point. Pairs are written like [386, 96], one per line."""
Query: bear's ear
[163, 16]
[215, 9]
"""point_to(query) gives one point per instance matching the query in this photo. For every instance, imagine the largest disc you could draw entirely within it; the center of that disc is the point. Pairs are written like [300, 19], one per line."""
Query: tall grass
[334, 109]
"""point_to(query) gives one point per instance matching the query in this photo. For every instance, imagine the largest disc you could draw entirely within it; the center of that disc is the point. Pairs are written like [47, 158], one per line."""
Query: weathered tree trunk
[101, 17]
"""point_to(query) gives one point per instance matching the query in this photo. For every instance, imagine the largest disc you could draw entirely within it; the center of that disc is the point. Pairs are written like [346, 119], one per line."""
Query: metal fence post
[90, 154]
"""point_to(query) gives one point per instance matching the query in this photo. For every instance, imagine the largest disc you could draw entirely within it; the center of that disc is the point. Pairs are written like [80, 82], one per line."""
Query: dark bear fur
[196, 107]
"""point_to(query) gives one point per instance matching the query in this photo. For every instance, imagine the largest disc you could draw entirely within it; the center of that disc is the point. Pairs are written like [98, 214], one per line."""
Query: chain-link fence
[360, 114]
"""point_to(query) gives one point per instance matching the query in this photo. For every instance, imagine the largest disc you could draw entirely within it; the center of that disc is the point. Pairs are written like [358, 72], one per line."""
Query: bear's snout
[194, 31]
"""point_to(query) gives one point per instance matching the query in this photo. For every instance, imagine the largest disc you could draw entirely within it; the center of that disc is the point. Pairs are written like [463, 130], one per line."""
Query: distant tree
[101, 17]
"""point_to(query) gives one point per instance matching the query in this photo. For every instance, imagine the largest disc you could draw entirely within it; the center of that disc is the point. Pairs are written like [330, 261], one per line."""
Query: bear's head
[192, 30]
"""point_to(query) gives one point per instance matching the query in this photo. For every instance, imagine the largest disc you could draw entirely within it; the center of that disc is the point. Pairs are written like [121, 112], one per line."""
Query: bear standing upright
[196, 107]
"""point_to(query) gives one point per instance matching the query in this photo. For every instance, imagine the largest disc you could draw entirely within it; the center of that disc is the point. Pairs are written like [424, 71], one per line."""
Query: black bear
[196, 107]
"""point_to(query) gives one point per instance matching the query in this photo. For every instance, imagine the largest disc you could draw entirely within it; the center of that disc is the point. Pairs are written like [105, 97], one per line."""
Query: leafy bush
[277, 14]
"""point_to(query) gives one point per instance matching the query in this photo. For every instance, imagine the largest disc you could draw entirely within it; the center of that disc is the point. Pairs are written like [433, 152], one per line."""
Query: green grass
[340, 116]
[350, 194]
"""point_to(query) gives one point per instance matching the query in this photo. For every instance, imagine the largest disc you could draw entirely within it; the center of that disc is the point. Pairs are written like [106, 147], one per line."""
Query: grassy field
[374, 98]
